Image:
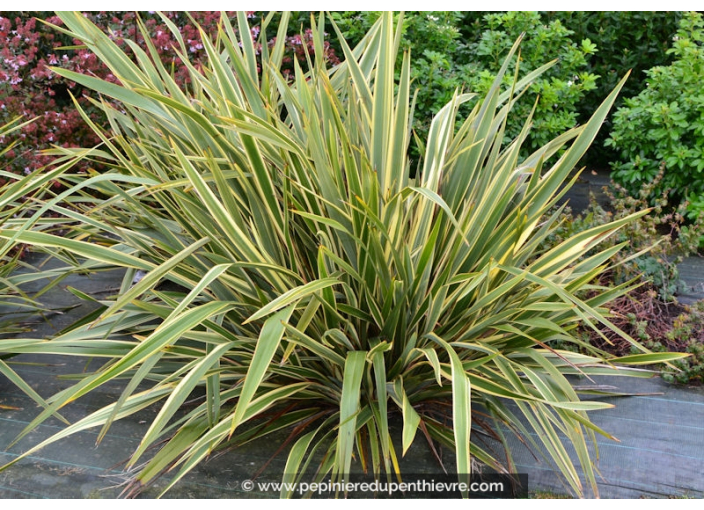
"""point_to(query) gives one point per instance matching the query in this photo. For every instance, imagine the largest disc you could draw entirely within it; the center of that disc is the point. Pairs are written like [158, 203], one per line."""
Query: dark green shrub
[462, 49]
[663, 127]
[626, 40]
[558, 91]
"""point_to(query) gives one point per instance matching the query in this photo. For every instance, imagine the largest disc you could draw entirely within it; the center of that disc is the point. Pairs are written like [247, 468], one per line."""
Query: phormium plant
[321, 280]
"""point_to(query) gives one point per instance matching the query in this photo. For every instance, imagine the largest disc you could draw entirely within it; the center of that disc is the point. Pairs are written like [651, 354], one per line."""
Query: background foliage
[465, 50]
[450, 49]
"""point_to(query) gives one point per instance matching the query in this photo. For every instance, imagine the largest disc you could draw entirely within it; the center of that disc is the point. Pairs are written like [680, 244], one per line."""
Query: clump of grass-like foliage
[320, 277]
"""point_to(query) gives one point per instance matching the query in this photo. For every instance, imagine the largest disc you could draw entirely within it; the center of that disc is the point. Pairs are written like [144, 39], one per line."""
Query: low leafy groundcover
[325, 289]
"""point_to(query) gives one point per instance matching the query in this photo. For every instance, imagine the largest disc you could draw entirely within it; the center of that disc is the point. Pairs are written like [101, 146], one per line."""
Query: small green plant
[548, 495]
[687, 335]
[662, 128]
[322, 287]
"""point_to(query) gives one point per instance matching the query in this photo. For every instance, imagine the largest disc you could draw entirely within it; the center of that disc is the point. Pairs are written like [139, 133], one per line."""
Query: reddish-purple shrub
[28, 87]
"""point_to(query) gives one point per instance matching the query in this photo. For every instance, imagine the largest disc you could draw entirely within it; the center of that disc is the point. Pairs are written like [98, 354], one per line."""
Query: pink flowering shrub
[28, 87]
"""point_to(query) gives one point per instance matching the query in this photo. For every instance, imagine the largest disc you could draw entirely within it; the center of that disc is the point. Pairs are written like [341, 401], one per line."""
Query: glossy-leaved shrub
[662, 128]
